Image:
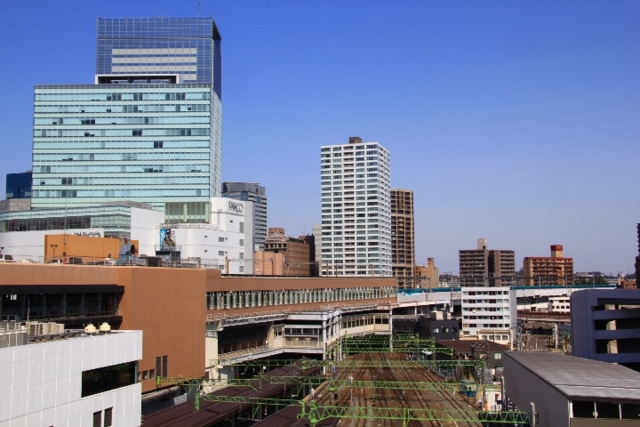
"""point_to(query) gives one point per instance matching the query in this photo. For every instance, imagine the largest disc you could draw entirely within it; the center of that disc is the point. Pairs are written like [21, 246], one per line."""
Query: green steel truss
[260, 401]
[335, 384]
[316, 413]
[350, 363]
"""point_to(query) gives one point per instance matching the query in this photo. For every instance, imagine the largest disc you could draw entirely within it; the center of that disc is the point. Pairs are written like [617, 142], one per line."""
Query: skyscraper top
[190, 47]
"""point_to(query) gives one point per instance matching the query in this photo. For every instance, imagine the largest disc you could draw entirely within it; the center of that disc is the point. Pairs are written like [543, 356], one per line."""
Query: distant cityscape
[138, 287]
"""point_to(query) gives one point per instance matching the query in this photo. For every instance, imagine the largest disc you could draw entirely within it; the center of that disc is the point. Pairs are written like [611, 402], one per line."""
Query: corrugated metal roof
[578, 378]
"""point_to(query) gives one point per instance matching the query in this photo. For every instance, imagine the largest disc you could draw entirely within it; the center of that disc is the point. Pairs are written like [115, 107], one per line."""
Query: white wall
[40, 384]
[30, 244]
[204, 242]
[144, 228]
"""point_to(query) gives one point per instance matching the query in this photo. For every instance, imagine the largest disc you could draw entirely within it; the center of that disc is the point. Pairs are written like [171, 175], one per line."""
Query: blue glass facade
[187, 46]
[135, 135]
[18, 185]
[150, 143]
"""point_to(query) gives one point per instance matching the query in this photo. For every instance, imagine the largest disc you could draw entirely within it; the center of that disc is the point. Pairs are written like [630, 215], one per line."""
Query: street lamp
[53, 246]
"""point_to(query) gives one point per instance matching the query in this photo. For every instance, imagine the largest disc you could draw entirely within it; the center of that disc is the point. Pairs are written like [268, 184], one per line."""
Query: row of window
[120, 145]
[102, 95]
[202, 167]
[127, 157]
[127, 109]
[203, 181]
[260, 298]
[120, 193]
[160, 120]
[110, 132]
[349, 147]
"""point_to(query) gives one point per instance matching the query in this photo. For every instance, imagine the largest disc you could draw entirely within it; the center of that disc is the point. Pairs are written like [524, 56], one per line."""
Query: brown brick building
[553, 270]
[297, 260]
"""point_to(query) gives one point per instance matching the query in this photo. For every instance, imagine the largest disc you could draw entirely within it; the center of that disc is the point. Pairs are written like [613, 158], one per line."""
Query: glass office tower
[149, 143]
[187, 46]
[149, 130]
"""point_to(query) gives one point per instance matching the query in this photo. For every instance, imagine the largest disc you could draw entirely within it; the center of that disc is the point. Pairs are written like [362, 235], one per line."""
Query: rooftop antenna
[199, 9]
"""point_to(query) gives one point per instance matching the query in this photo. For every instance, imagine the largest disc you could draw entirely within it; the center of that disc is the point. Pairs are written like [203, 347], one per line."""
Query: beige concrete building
[553, 270]
[426, 276]
[402, 236]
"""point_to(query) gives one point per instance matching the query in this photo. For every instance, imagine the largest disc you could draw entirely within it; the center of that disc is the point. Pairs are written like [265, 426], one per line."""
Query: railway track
[367, 400]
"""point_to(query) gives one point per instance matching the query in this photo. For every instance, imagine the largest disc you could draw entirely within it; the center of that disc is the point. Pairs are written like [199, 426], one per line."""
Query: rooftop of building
[578, 378]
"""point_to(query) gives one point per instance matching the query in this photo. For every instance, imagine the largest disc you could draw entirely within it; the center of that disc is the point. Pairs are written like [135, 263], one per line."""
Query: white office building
[86, 380]
[489, 313]
[356, 209]
[226, 243]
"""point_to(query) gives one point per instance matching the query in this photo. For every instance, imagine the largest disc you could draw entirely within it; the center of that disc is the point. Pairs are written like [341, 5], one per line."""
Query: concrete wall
[42, 383]
[145, 229]
[523, 387]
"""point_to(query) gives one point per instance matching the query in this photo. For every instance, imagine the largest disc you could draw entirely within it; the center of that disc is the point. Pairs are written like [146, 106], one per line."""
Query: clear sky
[516, 121]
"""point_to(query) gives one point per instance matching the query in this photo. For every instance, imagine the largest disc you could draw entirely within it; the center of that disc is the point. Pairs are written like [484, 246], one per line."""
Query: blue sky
[516, 121]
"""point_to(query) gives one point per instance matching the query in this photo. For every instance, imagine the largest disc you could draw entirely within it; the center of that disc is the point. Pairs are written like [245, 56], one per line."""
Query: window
[108, 378]
[97, 419]
[241, 269]
[108, 417]
[241, 242]
[165, 370]
[159, 366]
[241, 255]
[221, 253]
[221, 239]
[242, 227]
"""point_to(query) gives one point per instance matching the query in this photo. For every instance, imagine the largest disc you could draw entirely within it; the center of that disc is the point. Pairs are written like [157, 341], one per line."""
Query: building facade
[255, 193]
[553, 270]
[151, 143]
[426, 276]
[356, 209]
[489, 312]
[605, 325]
[18, 185]
[82, 379]
[295, 252]
[402, 236]
[149, 129]
[487, 267]
[22, 233]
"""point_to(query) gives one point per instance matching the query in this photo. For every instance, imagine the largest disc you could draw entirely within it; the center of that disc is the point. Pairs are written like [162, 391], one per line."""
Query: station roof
[581, 379]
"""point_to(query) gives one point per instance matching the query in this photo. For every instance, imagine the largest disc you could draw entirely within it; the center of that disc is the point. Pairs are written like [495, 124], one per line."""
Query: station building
[195, 321]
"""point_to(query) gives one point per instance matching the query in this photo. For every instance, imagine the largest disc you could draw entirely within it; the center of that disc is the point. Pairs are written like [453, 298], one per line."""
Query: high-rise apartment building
[356, 209]
[402, 236]
[485, 267]
[252, 192]
[149, 130]
[553, 270]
